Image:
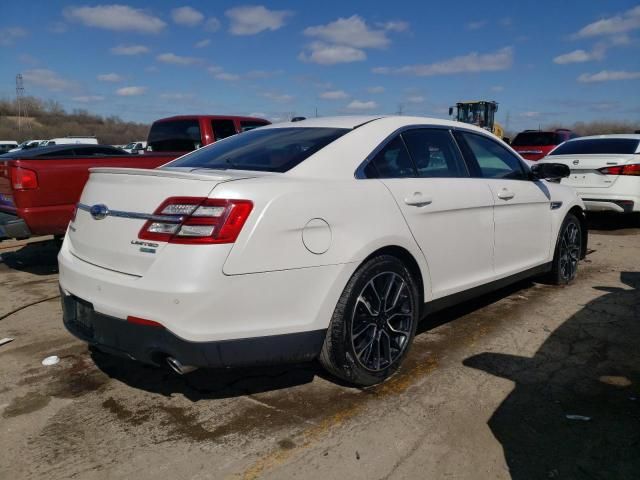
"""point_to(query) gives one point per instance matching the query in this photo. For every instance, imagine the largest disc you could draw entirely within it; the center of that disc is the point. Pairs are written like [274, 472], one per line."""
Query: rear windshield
[622, 146]
[175, 136]
[535, 139]
[270, 150]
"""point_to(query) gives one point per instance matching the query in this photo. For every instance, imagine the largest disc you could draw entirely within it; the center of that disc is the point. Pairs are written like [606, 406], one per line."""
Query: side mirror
[550, 171]
[450, 111]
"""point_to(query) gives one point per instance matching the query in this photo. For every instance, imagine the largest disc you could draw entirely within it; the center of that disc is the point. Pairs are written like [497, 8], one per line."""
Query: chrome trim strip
[134, 215]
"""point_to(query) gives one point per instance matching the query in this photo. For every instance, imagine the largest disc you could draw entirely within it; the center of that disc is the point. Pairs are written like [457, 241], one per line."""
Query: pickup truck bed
[46, 208]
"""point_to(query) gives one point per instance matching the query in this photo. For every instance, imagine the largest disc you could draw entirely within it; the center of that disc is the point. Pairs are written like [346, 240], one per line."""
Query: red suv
[534, 144]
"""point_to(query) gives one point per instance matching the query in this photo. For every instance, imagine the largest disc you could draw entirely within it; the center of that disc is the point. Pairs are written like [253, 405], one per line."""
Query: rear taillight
[23, 179]
[632, 169]
[194, 220]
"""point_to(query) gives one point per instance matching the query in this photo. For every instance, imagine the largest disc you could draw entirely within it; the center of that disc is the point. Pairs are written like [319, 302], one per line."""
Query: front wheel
[568, 251]
[373, 324]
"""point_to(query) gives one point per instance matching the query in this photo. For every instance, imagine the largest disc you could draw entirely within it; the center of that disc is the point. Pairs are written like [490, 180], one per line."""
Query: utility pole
[19, 99]
[400, 109]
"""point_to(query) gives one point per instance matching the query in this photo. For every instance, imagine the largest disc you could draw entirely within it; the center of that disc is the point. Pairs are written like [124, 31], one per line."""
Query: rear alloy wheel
[568, 251]
[373, 324]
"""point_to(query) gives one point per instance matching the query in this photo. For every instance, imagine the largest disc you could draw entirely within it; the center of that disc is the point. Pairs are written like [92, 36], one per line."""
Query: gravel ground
[532, 381]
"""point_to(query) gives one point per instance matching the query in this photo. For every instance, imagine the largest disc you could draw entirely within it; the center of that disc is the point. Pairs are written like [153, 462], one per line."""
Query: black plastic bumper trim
[151, 345]
[12, 226]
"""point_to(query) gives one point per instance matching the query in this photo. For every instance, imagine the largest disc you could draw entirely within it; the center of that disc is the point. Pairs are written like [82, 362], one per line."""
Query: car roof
[629, 136]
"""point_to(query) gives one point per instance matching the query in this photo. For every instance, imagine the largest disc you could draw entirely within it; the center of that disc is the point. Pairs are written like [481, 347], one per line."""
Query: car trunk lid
[129, 195]
[585, 169]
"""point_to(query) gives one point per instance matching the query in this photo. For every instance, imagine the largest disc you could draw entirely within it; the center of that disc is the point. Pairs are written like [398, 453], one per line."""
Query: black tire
[360, 319]
[568, 251]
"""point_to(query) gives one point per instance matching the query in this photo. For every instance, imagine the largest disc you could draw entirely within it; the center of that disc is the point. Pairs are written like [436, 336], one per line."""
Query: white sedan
[328, 238]
[605, 170]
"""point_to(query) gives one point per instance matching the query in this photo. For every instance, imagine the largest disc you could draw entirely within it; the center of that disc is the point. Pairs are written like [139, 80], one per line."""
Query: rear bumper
[598, 202]
[151, 345]
[12, 226]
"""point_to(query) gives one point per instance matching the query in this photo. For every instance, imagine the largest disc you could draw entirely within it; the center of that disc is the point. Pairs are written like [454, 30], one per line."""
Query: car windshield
[269, 150]
[623, 146]
[535, 139]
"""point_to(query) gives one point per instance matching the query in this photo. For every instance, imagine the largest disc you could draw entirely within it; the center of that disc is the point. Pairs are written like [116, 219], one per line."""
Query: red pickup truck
[39, 188]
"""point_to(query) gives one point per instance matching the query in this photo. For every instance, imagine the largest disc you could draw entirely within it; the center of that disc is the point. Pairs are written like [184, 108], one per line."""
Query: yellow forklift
[480, 113]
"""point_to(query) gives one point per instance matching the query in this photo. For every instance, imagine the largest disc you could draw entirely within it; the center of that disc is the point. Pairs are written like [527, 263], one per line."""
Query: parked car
[69, 141]
[135, 147]
[6, 145]
[326, 238]
[39, 191]
[27, 144]
[535, 144]
[605, 171]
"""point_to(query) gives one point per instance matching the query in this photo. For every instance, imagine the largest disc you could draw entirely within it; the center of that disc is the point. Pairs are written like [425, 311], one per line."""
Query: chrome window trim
[134, 215]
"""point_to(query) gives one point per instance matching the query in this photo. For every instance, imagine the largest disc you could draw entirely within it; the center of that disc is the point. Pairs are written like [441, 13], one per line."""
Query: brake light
[23, 179]
[194, 220]
[632, 169]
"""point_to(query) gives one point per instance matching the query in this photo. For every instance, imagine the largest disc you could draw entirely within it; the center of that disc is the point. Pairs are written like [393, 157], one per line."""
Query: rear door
[450, 214]
[522, 213]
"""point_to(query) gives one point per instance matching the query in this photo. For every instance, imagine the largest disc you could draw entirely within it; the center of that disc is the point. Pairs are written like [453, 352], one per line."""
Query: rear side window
[246, 125]
[393, 161]
[223, 128]
[492, 160]
[175, 136]
[536, 139]
[434, 153]
[623, 146]
[268, 150]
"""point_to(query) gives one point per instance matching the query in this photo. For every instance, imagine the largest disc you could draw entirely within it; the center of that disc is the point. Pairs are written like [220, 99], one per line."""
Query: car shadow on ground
[575, 408]
[614, 223]
[38, 258]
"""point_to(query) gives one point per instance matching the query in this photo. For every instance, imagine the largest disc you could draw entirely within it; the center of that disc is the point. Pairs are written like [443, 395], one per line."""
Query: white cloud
[187, 16]
[279, 97]
[394, 26]
[497, 88]
[262, 74]
[88, 98]
[131, 91]
[129, 50]
[9, 35]
[416, 99]
[174, 59]
[202, 43]
[377, 89]
[212, 24]
[115, 17]
[226, 76]
[215, 69]
[110, 77]
[577, 56]
[352, 32]
[253, 19]
[618, 24]
[176, 96]
[473, 62]
[607, 76]
[48, 79]
[334, 95]
[476, 25]
[324, 54]
[362, 105]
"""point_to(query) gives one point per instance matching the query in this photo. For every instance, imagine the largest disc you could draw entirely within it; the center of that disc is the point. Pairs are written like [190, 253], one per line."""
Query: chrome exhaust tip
[178, 367]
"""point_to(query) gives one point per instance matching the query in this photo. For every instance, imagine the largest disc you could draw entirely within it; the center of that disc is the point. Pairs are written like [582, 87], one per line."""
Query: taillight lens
[23, 178]
[631, 169]
[194, 220]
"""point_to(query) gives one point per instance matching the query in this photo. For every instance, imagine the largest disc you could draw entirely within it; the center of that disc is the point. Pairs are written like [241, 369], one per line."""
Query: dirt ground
[490, 390]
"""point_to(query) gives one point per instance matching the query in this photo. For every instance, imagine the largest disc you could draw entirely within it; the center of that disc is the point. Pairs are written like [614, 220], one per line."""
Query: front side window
[223, 128]
[492, 159]
[268, 150]
[393, 161]
[434, 153]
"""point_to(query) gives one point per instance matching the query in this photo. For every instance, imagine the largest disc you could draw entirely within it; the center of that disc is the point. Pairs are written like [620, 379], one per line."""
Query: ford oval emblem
[99, 211]
[576, 162]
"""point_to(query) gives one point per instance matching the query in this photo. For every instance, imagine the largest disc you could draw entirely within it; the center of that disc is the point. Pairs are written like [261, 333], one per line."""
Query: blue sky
[544, 61]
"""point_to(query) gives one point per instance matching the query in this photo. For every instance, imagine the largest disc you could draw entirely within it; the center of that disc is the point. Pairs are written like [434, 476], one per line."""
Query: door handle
[505, 194]
[417, 200]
